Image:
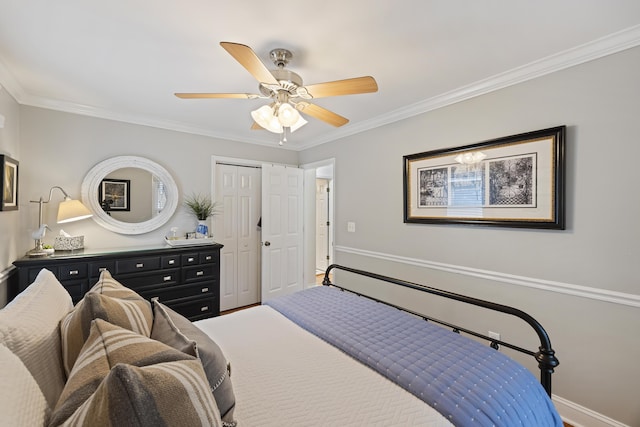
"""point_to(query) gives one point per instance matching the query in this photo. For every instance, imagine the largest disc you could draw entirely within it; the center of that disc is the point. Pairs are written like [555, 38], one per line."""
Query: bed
[322, 356]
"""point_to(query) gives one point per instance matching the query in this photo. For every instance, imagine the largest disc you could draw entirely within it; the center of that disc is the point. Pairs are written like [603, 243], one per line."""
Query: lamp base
[37, 253]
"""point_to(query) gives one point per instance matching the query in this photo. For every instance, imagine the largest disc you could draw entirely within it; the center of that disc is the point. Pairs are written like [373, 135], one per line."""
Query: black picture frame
[513, 181]
[9, 183]
[115, 194]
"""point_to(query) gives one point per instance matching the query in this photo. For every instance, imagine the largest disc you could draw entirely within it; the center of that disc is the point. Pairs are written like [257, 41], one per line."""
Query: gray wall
[563, 278]
[57, 148]
[62, 147]
[580, 283]
[9, 220]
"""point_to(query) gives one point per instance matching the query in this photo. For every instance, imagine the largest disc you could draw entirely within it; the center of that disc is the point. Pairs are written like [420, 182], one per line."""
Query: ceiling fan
[286, 91]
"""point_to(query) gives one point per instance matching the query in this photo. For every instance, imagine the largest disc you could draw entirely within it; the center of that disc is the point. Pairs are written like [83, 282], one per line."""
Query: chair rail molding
[604, 295]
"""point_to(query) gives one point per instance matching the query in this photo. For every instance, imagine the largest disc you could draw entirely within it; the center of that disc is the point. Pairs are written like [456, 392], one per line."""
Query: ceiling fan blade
[215, 95]
[256, 126]
[322, 114]
[249, 60]
[353, 86]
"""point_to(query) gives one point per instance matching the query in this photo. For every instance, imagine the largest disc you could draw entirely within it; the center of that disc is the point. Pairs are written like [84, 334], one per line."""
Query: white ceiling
[124, 59]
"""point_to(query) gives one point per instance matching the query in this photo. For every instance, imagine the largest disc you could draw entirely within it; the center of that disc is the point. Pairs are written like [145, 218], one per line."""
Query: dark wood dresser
[187, 279]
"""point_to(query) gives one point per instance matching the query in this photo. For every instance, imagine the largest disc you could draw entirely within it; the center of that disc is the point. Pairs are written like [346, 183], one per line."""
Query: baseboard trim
[579, 416]
[622, 298]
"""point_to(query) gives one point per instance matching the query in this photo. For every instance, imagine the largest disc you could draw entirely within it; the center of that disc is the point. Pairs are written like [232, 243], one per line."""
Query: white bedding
[283, 375]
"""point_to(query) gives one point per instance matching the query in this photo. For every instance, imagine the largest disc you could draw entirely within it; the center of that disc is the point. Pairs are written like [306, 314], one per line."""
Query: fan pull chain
[284, 136]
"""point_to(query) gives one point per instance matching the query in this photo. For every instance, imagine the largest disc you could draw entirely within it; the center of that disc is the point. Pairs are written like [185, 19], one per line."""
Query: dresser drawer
[196, 309]
[76, 288]
[32, 273]
[96, 267]
[137, 264]
[198, 290]
[170, 261]
[200, 272]
[190, 259]
[72, 271]
[160, 278]
[208, 257]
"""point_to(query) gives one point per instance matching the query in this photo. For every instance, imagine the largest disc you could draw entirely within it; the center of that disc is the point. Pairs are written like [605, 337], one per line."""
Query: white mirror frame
[100, 171]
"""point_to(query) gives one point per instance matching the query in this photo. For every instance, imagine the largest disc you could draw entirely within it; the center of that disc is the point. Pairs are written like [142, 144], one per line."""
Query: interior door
[238, 190]
[282, 230]
[322, 224]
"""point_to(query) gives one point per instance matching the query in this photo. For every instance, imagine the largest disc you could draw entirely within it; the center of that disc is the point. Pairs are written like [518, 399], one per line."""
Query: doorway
[319, 218]
[229, 276]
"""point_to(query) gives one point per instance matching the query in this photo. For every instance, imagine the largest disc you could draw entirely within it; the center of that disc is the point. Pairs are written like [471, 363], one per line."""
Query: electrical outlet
[351, 227]
[494, 335]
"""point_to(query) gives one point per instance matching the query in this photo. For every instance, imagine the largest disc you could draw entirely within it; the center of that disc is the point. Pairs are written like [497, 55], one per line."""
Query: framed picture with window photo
[513, 181]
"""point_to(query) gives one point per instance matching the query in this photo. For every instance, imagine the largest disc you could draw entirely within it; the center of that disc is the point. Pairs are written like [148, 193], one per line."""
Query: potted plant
[202, 207]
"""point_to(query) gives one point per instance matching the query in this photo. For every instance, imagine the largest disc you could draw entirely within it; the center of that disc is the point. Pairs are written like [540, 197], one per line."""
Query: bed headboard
[545, 356]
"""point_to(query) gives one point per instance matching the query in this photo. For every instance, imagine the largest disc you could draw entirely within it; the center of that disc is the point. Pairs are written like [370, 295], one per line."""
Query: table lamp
[69, 210]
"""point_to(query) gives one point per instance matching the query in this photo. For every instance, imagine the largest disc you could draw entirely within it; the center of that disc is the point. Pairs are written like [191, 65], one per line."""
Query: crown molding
[610, 44]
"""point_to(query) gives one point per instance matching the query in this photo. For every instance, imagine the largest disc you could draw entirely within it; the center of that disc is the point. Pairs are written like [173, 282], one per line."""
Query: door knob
[267, 243]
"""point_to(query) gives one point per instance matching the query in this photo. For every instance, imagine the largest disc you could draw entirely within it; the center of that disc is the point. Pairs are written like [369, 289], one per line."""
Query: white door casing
[282, 230]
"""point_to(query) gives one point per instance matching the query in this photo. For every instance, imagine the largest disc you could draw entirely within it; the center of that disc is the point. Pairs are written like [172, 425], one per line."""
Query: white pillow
[21, 401]
[30, 328]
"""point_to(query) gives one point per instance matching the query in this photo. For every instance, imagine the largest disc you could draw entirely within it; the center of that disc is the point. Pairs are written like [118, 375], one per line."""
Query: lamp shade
[72, 210]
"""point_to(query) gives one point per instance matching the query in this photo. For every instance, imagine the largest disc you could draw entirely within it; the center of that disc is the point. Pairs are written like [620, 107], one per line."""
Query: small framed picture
[114, 194]
[9, 182]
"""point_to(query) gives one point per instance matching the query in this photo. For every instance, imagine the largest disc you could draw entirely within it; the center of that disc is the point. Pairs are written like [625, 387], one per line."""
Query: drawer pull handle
[208, 258]
[73, 272]
[139, 265]
[167, 278]
[172, 261]
[191, 259]
[204, 308]
[199, 273]
[204, 290]
[101, 269]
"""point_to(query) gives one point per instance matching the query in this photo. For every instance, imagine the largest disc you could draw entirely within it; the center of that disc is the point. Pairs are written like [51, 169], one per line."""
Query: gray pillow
[176, 331]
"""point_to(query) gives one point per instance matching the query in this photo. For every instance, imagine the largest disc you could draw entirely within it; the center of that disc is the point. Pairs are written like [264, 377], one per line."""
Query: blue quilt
[469, 383]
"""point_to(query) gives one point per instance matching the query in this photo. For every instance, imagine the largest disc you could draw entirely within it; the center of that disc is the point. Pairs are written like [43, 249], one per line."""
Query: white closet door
[249, 210]
[227, 233]
[282, 230]
[238, 191]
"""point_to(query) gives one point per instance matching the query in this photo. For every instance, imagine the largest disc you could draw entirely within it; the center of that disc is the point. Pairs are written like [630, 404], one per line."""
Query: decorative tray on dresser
[187, 279]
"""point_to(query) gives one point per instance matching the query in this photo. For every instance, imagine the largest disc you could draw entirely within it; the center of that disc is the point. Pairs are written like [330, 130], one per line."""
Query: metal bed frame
[545, 356]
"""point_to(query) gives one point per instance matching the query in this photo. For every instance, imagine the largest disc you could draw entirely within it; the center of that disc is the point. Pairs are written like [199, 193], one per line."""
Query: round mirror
[130, 195]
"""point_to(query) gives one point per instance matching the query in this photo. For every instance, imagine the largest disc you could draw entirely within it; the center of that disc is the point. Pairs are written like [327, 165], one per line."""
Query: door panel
[282, 236]
[238, 190]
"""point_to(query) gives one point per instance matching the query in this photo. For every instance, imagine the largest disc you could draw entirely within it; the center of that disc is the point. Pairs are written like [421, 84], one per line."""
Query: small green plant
[201, 206]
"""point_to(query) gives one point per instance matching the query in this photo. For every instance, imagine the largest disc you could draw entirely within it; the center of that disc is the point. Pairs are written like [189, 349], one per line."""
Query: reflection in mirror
[130, 195]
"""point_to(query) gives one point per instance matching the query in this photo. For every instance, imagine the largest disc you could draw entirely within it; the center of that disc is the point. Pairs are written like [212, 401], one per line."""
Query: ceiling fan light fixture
[287, 115]
[265, 117]
[298, 124]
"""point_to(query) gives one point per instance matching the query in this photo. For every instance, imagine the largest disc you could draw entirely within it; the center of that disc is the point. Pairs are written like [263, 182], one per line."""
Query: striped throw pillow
[123, 378]
[108, 300]
[178, 332]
